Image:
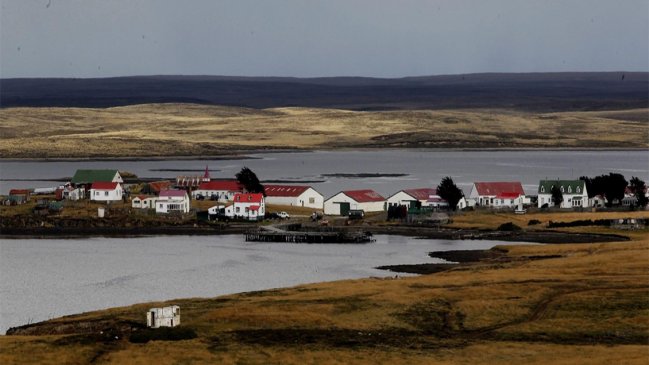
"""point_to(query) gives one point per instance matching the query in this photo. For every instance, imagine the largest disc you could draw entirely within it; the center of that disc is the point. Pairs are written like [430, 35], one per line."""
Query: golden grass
[188, 129]
[589, 306]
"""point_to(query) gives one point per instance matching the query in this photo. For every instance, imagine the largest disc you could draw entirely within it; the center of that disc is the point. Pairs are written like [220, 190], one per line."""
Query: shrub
[509, 226]
[162, 334]
[533, 222]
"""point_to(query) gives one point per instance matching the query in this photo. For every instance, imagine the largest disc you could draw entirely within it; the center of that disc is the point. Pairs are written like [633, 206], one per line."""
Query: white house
[71, 193]
[163, 317]
[172, 201]
[247, 206]
[220, 189]
[343, 202]
[573, 191]
[408, 196]
[295, 195]
[143, 202]
[106, 191]
[497, 194]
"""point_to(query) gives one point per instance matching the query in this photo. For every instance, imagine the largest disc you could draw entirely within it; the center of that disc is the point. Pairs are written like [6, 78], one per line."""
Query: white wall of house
[105, 195]
[172, 205]
[332, 208]
[74, 194]
[167, 204]
[163, 317]
[310, 198]
[147, 203]
[402, 198]
[222, 194]
[569, 200]
[242, 210]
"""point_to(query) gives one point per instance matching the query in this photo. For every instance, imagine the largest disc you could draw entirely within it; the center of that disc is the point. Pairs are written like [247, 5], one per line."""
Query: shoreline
[245, 154]
[540, 236]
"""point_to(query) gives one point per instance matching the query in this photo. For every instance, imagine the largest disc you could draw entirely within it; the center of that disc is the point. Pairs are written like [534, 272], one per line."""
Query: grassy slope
[589, 306]
[188, 129]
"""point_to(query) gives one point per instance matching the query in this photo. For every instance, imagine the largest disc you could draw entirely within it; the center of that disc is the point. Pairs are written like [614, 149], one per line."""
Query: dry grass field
[584, 304]
[190, 129]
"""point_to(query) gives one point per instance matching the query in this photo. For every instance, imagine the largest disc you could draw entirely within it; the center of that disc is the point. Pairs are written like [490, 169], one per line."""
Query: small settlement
[229, 199]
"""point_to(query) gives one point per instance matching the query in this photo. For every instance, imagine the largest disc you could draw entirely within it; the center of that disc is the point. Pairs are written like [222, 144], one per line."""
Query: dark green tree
[639, 189]
[557, 195]
[611, 187]
[614, 186]
[448, 191]
[249, 180]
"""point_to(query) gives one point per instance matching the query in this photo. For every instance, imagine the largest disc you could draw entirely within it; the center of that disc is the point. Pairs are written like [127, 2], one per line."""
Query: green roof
[569, 186]
[91, 176]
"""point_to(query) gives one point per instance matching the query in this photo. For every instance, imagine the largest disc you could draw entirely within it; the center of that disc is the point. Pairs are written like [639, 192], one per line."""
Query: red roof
[285, 190]
[421, 194]
[221, 185]
[104, 185]
[364, 196]
[206, 175]
[499, 188]
[173, 193]
[19, 192]
[254, 207]
[508, 195]
[248, 198]
[158, 186]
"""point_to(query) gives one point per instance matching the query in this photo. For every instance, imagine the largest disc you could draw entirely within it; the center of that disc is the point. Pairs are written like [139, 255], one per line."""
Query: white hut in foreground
[163, 317]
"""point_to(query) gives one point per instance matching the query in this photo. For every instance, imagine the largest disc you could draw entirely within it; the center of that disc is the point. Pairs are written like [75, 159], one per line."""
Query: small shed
[163, 317]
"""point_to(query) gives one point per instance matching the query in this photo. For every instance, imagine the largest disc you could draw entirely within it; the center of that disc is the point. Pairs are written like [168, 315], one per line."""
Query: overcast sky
[380, 38]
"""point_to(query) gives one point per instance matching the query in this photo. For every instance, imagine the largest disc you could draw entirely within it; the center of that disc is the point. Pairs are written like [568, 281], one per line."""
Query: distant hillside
[541, 92]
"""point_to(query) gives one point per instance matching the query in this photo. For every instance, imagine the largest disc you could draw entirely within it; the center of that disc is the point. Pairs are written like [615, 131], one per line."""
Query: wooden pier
[275, 234]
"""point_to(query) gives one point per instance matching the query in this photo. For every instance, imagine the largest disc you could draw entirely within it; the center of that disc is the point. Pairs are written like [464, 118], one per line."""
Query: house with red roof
[247, 206]
[423, 196]
[172, 201]
[218, 189]
[497, 194]
[143, 202]
[105, 191]
[365, 200]
[294, 195]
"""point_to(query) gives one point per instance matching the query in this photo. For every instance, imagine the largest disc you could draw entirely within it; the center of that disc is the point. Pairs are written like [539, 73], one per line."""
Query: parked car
[283, 215]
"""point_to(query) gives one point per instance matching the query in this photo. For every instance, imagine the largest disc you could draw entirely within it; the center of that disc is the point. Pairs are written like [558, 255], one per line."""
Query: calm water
[424, 168]
[45, 278]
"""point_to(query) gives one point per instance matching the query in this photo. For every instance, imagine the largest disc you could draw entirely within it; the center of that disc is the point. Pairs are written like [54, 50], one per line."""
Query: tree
[557, 195]
[448, 191]
[614, 187]
[611, 186]
[249, 180]
[639, 189]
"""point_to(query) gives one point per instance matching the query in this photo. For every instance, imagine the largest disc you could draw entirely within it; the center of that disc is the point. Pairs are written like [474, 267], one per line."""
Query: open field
[584, 304]
[200, 130]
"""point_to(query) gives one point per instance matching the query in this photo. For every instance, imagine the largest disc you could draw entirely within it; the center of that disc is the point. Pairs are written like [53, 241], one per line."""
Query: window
[311, 200]
[562, 189]
[578, 190]
[543, 189]
[569, 189]
[105, 193]
[238, 209]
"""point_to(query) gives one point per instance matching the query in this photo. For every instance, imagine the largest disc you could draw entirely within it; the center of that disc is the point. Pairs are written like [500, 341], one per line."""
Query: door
[344, 209]
[153, 319]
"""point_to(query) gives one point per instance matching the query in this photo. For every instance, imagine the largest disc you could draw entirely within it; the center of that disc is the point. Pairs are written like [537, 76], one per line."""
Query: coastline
[238, 154]
[85, 231]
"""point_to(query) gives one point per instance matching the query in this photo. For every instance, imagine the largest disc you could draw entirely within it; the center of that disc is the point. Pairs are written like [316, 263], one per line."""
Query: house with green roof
[573, 191]
[88, 177]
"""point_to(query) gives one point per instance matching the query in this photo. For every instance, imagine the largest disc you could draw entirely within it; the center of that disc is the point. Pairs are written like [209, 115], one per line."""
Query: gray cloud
[77, 38]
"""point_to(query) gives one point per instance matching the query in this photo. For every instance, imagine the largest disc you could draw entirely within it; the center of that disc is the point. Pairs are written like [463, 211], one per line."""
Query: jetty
[296, 234]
